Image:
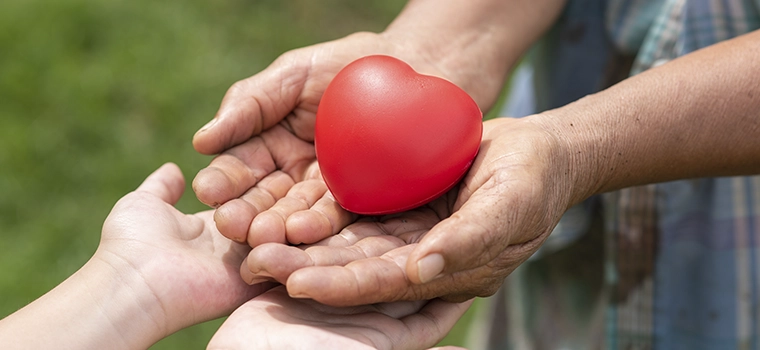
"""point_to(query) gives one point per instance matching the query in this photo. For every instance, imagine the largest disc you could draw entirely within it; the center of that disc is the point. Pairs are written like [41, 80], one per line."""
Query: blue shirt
[677, 264]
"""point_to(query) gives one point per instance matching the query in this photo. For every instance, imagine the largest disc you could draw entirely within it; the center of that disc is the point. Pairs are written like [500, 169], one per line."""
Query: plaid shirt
[665, 266]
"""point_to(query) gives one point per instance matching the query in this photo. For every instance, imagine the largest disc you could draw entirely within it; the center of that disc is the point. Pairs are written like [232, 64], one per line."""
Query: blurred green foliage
[94, 95]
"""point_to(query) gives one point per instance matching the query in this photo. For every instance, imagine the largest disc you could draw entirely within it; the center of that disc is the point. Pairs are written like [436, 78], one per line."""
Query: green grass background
[94, 95]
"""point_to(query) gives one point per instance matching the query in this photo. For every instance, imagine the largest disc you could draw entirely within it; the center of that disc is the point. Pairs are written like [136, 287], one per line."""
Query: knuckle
[491, 288]
[457, 298]
[237, 87]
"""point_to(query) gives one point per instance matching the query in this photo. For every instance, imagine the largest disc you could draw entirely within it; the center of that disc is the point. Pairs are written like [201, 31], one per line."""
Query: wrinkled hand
[265, 129]
[462, 245]
[188, 270]
[274, 320]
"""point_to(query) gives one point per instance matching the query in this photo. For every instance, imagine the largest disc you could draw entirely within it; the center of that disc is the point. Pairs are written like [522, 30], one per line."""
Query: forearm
[697, 116]
[93, 309]
[475, 43]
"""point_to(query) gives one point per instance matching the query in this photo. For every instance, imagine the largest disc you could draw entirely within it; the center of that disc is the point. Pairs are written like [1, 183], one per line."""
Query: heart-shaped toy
[390, 139]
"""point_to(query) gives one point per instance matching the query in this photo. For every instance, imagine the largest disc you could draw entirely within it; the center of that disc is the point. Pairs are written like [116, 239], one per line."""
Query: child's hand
[273, 320]
[156, 271]
[180, 260]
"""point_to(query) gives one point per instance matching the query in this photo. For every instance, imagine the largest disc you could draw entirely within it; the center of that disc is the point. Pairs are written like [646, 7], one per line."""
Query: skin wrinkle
[332, 223]
[309, 71]
[452, 200]
[162, 326]
[465, 192]
[394, 342]
[260, 125]
[287, 63]
[102, 308]
[300, 123]
[343, 256]
[239, 88]
[408, 329]
[283, 175]
[301, 198]
[577, 154]
[449, 66]
[347, 235]
[291, 164]
[357, 285]
[361, 249]
[399, 309]
[286, 124]
[289, 81]
[375, 342]
[478, 243]
[304, 100]
[216, 169]
[250, 173]
[413, 236]
[471, 229]
[263, 190]
[395, 294]
[554, 140]
[382, 228]
[431, 319]
[240, 157]
[460, 279]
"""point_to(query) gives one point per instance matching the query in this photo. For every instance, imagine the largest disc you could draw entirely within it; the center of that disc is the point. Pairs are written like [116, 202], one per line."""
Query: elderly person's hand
[459, 246]
[265, 132]
[658, 126]
[264, 129]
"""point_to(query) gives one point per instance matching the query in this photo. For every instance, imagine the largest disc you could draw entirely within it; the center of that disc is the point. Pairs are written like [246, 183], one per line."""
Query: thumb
[471, 237]
[166, 183]
[253, 105]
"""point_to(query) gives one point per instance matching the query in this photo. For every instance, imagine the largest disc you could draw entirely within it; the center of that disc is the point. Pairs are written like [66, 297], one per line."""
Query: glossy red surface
[389, 139]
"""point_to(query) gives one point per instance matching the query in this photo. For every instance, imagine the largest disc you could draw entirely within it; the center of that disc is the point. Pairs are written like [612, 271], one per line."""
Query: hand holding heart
[459, 246]
[264, 130]
[269, 189]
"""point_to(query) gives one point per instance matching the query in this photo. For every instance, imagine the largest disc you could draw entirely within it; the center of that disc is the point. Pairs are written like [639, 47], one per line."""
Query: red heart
[390, 139]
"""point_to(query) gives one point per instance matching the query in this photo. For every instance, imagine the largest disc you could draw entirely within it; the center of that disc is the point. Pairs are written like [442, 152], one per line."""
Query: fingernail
[257, 280]
[430, 267]
[253, 278]
[246, 273]
[208, 125]
[297, 295]
[263, 274]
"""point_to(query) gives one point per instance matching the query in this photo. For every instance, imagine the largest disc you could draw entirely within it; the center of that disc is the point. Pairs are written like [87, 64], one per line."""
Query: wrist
[98, 307]
[125, 303]
[472, 43]
[452, 59]
[575, 152]
[465, 43]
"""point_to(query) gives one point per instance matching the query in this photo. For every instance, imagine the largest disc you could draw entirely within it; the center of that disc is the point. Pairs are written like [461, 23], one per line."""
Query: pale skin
[158, 270]
[287, 322]
[693, 117]
[155, 272]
